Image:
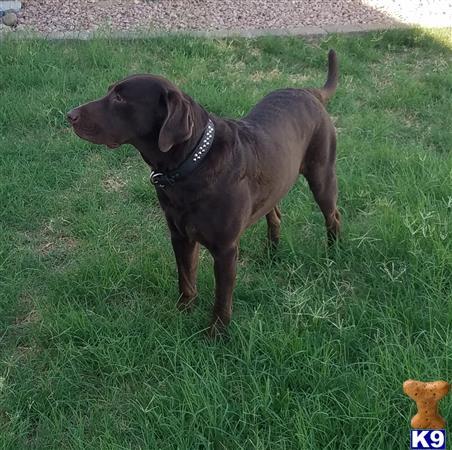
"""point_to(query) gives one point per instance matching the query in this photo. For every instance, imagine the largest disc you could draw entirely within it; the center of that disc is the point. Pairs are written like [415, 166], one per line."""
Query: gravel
[166, 15]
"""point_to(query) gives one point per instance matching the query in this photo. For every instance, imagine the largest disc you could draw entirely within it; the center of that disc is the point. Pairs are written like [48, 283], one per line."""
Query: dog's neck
[165, 162]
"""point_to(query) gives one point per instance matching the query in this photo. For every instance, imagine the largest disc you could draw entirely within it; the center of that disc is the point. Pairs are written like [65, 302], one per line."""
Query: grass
[94, 355]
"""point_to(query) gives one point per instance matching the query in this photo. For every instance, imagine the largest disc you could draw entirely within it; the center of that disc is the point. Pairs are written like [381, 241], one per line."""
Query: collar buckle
[155, 178]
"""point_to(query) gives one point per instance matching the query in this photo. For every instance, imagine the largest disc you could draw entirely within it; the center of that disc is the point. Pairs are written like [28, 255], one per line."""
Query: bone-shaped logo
[427, 396]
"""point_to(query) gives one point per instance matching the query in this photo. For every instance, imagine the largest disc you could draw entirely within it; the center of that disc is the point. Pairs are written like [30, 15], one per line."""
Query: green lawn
[94, 354]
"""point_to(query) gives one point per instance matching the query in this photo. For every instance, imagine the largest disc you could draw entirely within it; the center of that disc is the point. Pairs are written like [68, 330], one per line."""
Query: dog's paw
[185, 304]
[217, 331]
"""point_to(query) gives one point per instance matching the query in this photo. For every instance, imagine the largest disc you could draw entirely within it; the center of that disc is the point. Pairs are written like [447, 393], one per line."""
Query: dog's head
[136, 107]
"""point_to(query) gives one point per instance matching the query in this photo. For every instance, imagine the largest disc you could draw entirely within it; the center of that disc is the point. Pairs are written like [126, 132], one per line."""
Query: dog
[214, 177]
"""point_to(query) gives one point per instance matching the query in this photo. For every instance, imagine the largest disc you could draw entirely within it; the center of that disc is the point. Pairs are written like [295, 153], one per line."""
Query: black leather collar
[190, 164]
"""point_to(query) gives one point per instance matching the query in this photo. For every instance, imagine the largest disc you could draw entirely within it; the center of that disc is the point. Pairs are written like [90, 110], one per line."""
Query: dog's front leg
[187, 256]
[225, 268]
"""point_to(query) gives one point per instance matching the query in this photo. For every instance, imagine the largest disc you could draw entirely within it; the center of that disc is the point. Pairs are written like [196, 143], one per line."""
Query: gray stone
[308, 30]
[369, 27]
[10, 19]
[352, 28]
[305, 32]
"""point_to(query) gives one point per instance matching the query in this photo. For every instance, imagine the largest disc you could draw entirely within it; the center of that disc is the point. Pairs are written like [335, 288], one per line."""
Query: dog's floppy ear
[178, 125]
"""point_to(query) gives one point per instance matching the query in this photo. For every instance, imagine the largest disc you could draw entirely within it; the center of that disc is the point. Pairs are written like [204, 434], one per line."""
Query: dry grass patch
[113, 183]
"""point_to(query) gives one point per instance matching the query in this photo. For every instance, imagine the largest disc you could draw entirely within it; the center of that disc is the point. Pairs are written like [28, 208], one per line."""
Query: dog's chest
[181, 215]
[188, 225]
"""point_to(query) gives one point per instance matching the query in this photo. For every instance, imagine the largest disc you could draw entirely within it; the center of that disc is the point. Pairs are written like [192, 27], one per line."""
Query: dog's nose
[73, 116]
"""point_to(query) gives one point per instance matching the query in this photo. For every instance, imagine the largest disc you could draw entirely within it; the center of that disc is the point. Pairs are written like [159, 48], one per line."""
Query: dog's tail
[330, 86]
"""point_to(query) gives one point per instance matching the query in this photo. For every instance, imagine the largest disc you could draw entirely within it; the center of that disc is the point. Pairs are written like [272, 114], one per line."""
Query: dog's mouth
[95, 137]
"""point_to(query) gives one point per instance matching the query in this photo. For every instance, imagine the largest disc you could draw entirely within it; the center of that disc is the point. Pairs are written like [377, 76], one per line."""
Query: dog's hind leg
[274, 226]
[320, 172]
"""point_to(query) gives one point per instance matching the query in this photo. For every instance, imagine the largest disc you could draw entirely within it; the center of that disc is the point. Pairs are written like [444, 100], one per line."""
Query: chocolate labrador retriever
[215, 177]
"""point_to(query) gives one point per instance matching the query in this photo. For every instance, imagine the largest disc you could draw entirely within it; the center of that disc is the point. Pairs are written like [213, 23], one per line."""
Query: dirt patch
[52, 238]
[265, 76]
[62, 242]
[30, 314]
[113, 184]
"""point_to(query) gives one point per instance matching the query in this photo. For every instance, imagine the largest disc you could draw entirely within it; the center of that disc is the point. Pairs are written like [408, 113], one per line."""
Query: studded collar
[195, 158]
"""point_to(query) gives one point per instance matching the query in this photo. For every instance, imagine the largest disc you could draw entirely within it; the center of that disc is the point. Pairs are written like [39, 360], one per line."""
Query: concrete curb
[307, 31]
